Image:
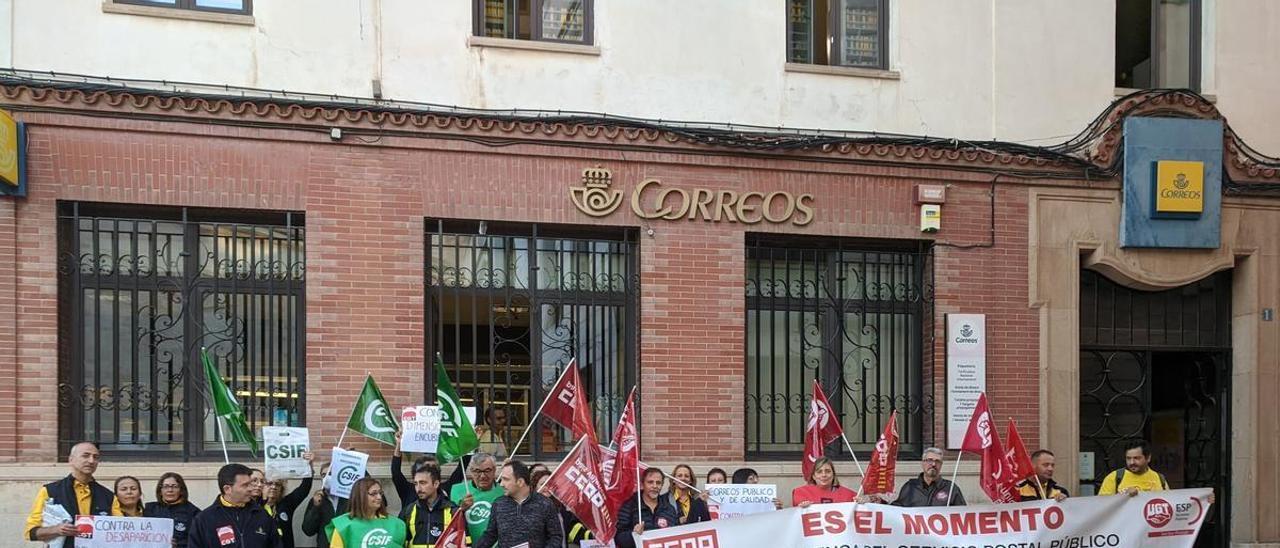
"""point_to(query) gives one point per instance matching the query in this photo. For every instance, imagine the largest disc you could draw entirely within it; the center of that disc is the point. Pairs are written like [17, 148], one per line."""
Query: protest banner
[118, 532]
[346, 469]
[421, 429]
[731, 500]
[1162, 519]
[283, 447]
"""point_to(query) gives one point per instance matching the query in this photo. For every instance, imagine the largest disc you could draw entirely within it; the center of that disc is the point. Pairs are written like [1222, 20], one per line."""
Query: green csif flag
[371, 416]
[225, 405]
[457, 435]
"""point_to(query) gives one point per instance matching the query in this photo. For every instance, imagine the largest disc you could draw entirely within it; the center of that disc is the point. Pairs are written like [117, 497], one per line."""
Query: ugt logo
[1158, 513]
[701, 539]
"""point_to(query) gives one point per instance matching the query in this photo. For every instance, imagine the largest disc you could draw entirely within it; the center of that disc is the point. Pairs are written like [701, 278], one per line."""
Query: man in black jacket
[78, 494]
[233, 520]
[428, 515]
[929, 489]
[521, 515]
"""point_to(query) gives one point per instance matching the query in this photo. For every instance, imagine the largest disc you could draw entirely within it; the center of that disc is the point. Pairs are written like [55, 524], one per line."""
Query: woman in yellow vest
[129, 493]
[367, 525]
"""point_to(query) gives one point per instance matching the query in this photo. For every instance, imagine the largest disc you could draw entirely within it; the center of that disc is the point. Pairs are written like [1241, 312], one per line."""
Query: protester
[689, 507]
[259, 480]
[1042, 486]
[716, 476]
[430, 512]
[929, 488]
[281, 507]
[320, 512]
[78, 494]
[367, 524]
[475, 497]
[493, 433]
[173, 502]
[405, 489]
[234, 520]
[749, 476]
[538, 467]
[648, 515]
[522, 517]
[823, 486]
[128, 492]
[1137, 475]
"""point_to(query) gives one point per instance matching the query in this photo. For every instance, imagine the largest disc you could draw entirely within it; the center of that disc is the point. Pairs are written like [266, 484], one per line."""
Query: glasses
[483, 470]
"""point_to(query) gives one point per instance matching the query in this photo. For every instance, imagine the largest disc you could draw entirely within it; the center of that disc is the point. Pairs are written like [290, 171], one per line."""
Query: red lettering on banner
[1054, 517]
[1009, 522]
[811, 524]
[869, 523]
[964, 524]
[915, 524]
[835, 522]
[701, 539]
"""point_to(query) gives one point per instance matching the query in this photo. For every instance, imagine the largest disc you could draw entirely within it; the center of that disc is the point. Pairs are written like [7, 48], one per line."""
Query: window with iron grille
[242, 7]
[509, 305]
[568, 21]
[142, 290]
[849, 33]
[848, 314]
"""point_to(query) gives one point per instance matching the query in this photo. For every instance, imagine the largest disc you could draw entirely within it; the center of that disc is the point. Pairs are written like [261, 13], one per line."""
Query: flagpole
[954, 475]
[353, 410]
[218, 420]
[573, 362]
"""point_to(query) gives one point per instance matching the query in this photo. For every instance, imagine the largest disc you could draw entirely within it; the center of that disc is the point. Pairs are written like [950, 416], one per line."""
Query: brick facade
[365, 205]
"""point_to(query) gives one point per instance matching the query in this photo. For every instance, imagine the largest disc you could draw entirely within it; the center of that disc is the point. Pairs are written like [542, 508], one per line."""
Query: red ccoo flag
[620, 470]
[1017, 456]
[577, 483]
[982, 438]
[455, 534]
[879, 478]
[566, 404]
[821, 429]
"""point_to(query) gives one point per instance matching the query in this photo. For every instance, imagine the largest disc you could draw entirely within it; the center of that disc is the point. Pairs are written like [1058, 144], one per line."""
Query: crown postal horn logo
[594, 197]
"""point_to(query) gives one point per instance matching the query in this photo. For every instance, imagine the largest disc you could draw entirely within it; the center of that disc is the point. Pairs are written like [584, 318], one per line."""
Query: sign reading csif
[346, 469]
[283, 447]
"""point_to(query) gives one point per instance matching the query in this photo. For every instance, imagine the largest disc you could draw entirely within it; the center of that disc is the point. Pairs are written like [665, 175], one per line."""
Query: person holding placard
[476, 497]
[77, 493]
[688, 505]
[716, 476]
[173, 502]
[281, 507]
[404, 488]
[429, 514]
[367, 524]
[129, 496]
[234, 520]
[750, 477]
[823, 487]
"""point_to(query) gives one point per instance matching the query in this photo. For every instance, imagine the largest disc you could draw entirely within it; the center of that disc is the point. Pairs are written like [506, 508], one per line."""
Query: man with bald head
[78, 494]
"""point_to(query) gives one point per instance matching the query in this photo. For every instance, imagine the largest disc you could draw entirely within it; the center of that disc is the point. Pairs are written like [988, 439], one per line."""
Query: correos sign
[651, 199]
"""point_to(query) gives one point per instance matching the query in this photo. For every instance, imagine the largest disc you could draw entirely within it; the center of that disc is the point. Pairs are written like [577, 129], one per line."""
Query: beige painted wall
[971, 69]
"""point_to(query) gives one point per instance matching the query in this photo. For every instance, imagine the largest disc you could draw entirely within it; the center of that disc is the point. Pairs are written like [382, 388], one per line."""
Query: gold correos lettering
[724, 205]
[635, 199]
[701, 199]
[716, 205]
[805, 209]
[668, 212]
[745, 209]
[787, 210]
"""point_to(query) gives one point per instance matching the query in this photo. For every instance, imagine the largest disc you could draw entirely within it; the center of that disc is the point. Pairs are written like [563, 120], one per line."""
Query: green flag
[457, 435]
[226, 407]
[372, 416]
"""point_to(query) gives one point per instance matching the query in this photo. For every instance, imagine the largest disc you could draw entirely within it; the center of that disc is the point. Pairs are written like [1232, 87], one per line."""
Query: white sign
[421, 429]
[731, 500]
[966, 371]
[283, 447]
[112, 532]
[1162, 519]
[348, 467]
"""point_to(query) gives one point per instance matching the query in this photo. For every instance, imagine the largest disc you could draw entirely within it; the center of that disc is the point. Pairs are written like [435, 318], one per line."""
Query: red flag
[455, 534]
[577, 483]
[1016, 454]
[566, 404]
[621, 465]
[884, 461]
[821, 429]
[982, 438]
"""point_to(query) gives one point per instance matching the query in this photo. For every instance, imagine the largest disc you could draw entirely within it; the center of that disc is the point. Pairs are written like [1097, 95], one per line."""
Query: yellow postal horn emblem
[594, 196]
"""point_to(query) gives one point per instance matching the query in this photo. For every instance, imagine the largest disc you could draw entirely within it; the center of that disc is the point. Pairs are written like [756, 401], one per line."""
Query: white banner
[730, 500]
[346, 469]
[966, 371]
[116, 532]
[283, 447]
[1167, 519]
[421, 429]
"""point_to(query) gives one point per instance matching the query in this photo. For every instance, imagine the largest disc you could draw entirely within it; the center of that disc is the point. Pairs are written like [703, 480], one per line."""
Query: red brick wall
[365, 205]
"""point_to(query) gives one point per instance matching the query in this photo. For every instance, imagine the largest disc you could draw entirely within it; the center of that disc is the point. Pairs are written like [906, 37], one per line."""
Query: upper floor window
[568, 21]
[1158, 44]
[244, 7]
[850, 33]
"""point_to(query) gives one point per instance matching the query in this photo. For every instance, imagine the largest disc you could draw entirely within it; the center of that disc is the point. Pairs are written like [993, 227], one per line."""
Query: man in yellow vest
[428, 516]
[1137, 475]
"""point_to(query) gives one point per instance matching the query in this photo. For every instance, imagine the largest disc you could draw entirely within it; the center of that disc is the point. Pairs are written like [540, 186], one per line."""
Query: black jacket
[914, 494]
[222, 526]
[427, 523]
[404, 487]
[286, 510]
[182, 514]
[659, 518]
[315, 518]
[536, 521]
[698, 511]
[63, 492]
